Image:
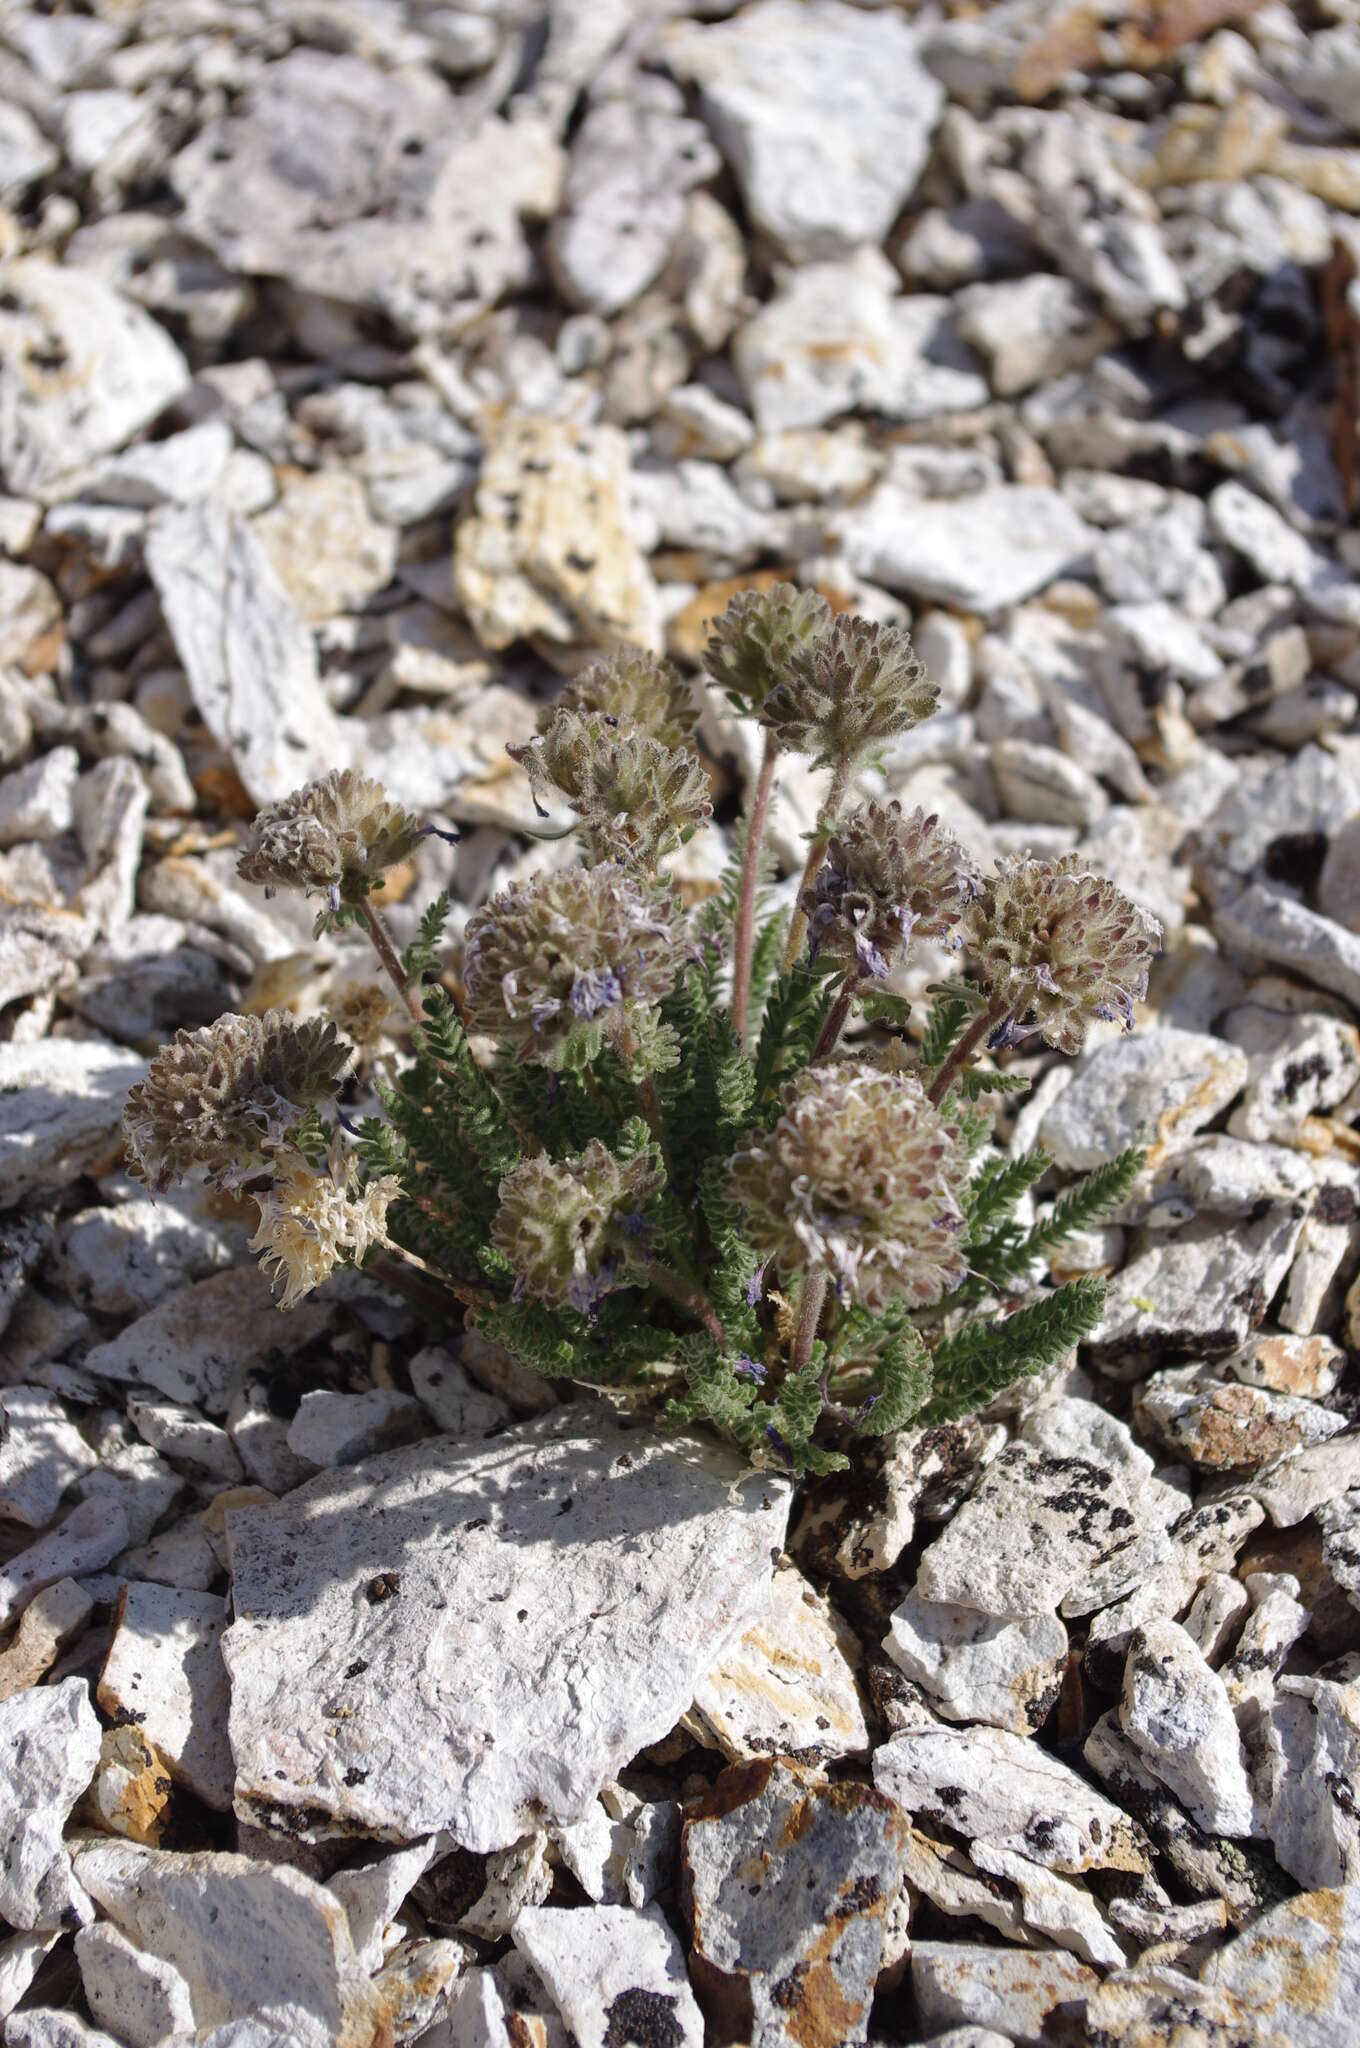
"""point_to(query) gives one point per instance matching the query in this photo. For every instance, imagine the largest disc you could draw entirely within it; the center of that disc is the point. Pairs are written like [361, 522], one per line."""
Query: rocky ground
[365, 365]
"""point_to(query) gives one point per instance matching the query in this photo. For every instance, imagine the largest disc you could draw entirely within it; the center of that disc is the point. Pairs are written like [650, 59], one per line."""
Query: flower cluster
[638, 691]
[863, 1179]
[310, 1220]
[224, 1099]
[1055, 946]
[336, 837]
[848, 689]
[637, 799]
[563, 1224]
[751, 643]
[886, 880]
[557, 965]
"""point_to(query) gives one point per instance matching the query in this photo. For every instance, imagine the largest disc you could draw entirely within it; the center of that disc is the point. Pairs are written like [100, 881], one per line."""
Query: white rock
[81, 371]
[188, 1438]
[1036, 1523]
[139, 1996]
[1149, 558]
[979, 553]
[1303, 1481]
[253, 1940]
[85, 1541]
[1045, 786]
[1204, 1540]
[695, 421]
[1216, 1615]
[1312, 1755]
[176, 471]
[1299, 1065]
[1157, 635]
[48, 1625]
[25, 152]
[1057, 1909]
[1265, 925]
[49, 1740]
[337, 1429]
[1177, 1714]
[1276, 1622]
[1298, 1965]
[788, 1687]
[998, 1788]
[250, 661]
[164, 1672]
[559, 1656]
[21, 1957]
[694, 505]
[1097, 225]
[372, 1895]
[1228, 1426]
[624, 204]
[1032, 328]
[41, 1453]
[980, 1667]
[121, 1260]
[1070, 1426]
[615, 1977]
[824, 112]
[1276, 551]
[457, 1405]
[180, 1555]
[595, 1850]
[329, 554]
[962, 1984]
[195, 1343]
[36, 801]
[51, 2027]
[1199, 1288]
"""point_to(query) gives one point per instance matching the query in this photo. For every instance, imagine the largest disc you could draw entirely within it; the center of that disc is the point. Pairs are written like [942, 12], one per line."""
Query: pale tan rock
[48, 1626]
[548, 550]
[330, 555]
[164, 1672]
[788, 1687]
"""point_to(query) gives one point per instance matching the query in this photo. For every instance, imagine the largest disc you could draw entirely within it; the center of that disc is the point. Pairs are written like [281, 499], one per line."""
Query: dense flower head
[222, 1099]
[853, 687]
[560, 1221]
[641, 691]
[636, 798]
[861, 1178]
[750, 643]
[553, 964]
[311, 1218]
[337, 837]
[886, 879]
[1058, 945]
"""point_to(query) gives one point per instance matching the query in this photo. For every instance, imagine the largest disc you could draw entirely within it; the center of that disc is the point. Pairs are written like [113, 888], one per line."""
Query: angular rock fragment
[1153, 1090]
[338, 1429]
[614, 1975]
[563, 1587]
[624, 204]
[788, 1687]
[139, 1996]
[1226, 1426]
[1177, 1713]
[195, 1343]
[250, 661]
[1312, 1757]
[164, 1672]
[1198, 1290]
[1036, 1999]
[84, 1542]
[41, 1454]
[49, 1745]
[47, 1626]
[995, 1787]
[1003, 1670]
[1296, 1970]
[61, 1111]
[978, 554]
[787, 1885]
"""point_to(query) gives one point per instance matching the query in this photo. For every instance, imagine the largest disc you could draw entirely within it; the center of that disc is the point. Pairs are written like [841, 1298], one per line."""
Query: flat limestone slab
[476, 1636]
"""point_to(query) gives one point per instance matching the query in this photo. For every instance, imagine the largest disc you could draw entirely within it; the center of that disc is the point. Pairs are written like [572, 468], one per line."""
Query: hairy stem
[683, 1295]
[982, 1026]
[744, 940]
[836, 1017]
[826, 824]
[391, 960]
[810, 1314]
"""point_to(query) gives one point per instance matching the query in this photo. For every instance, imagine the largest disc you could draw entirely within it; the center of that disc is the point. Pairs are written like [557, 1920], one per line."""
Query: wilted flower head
[1058, 945]
[853, 687]
[636, 798]
[337, 836]
[361, 1010]
[885, 880]
[861, 1178]
[222, 1099]
[640, 690]
[551, 964]
[311, 1218]
[559, 1222]
[750, 643]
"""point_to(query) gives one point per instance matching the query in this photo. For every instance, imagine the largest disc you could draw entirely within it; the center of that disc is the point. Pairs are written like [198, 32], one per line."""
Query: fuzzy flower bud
[553, 964]
[336, 837]
[310, 1219]
[224, 1098]
[886, 879]
[641, 691]
[559, 1222]
[861, 1178]
[636, 798]
[1058, 945]
[852, 688]
[750, 644]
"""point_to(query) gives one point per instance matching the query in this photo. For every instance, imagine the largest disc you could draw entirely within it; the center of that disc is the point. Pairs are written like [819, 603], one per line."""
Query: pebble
[623, 205]
[41, 1455]
[1197, 1291]
[977, 554]
[1153, 1090]
[788, 1687]
[83, 1542]
[337, 1429]
[483, 1534]
[164, 1673]
[615, 1975]
[61, 1109]
[974, 1667]
[195, 1343]
[452, 1399]
[141, 1998]
[49, 1738]
[123, 1258]
[1177, 1713]
[47, 1626]
[964, 1983]
[787, 1885]
[1297, 1966]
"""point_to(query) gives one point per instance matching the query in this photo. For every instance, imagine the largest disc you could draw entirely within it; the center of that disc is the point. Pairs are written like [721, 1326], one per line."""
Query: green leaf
[994, 1193]
[422, 955]
[978, 1361]
[798, 1008]
[956, 1004]
[905, 1377]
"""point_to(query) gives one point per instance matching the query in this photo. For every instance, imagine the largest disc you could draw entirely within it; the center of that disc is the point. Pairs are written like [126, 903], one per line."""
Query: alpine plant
[704, 1150]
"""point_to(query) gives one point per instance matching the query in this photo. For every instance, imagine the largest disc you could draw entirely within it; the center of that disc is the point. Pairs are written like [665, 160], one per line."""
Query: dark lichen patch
[642, 2019]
